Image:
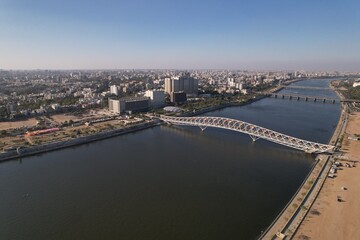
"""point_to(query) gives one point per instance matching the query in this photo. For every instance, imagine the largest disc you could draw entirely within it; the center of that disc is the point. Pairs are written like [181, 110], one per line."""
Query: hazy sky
[230, 34]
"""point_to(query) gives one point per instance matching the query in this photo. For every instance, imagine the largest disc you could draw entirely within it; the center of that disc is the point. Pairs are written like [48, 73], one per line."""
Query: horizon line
[172, 69]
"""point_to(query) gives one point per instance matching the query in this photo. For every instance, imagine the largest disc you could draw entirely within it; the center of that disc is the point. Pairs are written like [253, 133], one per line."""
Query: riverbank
[292, 216]
[24, 152]
[329, 218]
[28, 151]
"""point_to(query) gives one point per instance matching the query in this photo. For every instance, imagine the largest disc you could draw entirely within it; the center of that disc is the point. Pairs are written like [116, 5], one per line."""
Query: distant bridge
[304, 97]
[306, 87]
[254, 131]
[311, 98]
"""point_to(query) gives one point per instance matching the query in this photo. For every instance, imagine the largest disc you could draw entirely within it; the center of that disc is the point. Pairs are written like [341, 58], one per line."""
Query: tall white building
[114, 90]
[114, 106]
[168, 85]
[157, 98]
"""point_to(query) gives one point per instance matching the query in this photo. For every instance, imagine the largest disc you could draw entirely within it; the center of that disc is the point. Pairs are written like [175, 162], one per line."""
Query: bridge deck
[306, 87]
[252, 130]
[295, 96]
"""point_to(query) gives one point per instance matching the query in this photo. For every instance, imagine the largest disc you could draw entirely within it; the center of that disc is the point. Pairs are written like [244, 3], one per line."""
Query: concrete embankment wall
[81, 140]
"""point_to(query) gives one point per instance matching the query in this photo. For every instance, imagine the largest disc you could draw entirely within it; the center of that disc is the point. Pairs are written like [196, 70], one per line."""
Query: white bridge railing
[254, 131]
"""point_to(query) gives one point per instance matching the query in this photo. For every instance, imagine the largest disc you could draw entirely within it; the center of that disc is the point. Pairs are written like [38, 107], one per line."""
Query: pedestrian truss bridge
[254, 131]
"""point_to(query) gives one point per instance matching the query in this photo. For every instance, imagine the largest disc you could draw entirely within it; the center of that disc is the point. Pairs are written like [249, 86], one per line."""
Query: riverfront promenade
[63, 143]
[289, 220]
[330, 219]
[76, 141]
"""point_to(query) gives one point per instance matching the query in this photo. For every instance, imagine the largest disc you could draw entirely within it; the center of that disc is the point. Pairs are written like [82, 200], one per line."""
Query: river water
[167, 182]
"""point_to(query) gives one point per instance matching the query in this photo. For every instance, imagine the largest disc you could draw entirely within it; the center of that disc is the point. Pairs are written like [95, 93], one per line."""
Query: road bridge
[304, 97]
[306, 87]
[312, 98]
[254, 131]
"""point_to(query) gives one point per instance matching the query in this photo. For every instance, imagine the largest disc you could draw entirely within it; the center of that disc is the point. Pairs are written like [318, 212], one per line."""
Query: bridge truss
[254, 131]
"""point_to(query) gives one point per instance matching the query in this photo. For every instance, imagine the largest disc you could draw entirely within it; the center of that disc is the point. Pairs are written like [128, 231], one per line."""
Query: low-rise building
[178, 97]
[356, 83]
[130, 104]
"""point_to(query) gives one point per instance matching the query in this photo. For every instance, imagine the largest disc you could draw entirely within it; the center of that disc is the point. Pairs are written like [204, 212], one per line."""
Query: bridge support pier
[254, 131]
[202, 128]
[254, 138]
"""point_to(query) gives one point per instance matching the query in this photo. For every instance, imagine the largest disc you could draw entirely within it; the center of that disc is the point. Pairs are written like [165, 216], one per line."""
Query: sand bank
[328, 218]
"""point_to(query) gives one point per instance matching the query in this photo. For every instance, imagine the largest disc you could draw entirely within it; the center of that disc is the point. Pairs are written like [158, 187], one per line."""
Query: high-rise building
[184, 83]
[168, 85]
[157, 98]
[114, 106]
[114, 90]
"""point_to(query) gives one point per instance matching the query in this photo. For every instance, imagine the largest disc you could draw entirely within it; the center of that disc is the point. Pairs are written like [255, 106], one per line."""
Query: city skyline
[260, 35]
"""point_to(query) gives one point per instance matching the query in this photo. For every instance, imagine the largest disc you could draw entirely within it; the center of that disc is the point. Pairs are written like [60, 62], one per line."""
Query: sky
[180, 34]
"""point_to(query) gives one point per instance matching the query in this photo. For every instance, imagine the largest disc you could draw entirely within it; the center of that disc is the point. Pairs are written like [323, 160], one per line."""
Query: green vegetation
[350, 92]
[215, 101]
[45, 102]
[354, 92]
[262, 87]
[3, 112]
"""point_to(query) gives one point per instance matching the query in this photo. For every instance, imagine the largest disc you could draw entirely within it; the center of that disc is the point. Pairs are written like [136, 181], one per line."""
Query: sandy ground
[64, 117]
[91, 114]
[64, 134]
[329, 219]
[17, 124]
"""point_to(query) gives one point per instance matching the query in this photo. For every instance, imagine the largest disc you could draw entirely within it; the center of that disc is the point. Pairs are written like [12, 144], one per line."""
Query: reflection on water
[246, 142]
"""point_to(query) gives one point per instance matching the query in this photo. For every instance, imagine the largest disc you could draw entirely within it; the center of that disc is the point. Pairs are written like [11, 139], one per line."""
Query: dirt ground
[60, 118]
[64, 117]
[328, 218]
[62, 135]
[17, 124]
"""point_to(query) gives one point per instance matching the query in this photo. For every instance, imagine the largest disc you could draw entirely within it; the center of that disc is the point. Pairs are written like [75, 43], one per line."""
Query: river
[167, 182]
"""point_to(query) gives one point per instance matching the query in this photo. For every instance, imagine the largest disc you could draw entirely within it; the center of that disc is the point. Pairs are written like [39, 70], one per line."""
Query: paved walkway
[292, 215]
